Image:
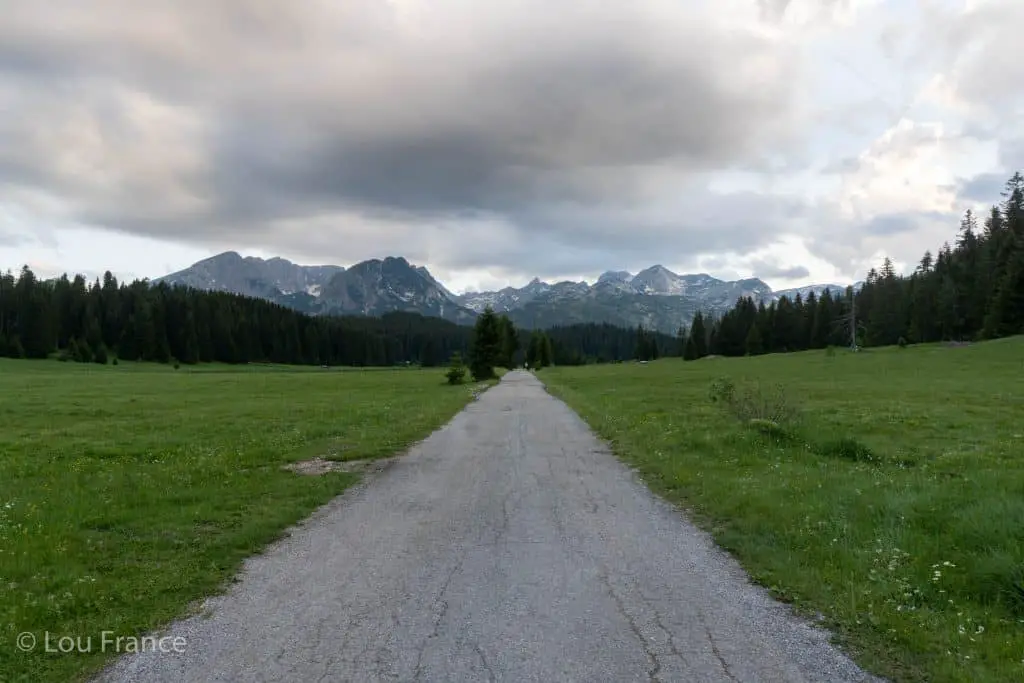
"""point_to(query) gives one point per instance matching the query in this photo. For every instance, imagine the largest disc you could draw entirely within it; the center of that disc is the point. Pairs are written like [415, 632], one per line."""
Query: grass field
[129, 492]
[892, 509]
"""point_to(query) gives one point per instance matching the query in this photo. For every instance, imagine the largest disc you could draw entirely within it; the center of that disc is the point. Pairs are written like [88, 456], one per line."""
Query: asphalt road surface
[511, 546]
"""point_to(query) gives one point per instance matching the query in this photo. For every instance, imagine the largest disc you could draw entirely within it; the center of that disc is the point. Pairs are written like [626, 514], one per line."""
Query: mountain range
[655, 297]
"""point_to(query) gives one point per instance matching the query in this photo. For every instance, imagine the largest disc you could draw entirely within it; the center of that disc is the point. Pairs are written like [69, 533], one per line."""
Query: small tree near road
[486, 349]
[509, 341]
[456, 369]
[539, 353]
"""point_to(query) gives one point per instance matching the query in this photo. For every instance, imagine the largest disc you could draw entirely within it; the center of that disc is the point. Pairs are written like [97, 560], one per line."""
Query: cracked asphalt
[510, 545]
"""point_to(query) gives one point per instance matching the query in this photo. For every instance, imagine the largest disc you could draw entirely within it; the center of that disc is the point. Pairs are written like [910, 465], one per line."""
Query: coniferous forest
[970, 290]
[141, 321]
[104, 320]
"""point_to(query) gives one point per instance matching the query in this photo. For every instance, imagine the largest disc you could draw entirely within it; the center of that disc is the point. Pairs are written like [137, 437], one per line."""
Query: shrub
[177, 365]
[771, 430]
[114, 362]
[902, 343]
[755, 403]
[830, 351]
[722, 391]
[456, 373]
[100, 356]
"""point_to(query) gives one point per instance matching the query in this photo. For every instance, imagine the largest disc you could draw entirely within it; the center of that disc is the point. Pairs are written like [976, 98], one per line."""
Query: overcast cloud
[795, 140]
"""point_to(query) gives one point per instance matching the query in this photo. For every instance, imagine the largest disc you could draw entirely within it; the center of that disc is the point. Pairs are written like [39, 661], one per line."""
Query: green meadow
[879, 492]
[130, 492]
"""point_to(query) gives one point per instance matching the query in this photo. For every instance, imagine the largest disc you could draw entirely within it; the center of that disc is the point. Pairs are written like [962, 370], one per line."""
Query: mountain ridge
[655, 297]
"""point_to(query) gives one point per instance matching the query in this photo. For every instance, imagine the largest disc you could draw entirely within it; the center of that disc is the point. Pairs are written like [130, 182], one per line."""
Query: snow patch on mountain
[655, 296]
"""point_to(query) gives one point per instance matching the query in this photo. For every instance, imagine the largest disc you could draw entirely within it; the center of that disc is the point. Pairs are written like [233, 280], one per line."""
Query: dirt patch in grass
[319, 466]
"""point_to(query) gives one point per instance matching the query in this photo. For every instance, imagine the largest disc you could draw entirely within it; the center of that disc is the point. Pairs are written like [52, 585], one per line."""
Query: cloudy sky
[795, 140]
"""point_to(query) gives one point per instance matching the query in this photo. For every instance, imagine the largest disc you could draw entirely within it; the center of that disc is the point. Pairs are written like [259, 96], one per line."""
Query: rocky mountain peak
[655, 297]
[615, 276]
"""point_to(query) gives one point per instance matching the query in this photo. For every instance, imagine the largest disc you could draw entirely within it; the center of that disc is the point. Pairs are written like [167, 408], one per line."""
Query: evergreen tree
[83, 352]
[690, 350]
[533, 350]
[486, 350]
[100, 354]
[35, 334]
[646, 346]
[547, 354]
[509, 342]
[755, 346]
[699, 336]
[1006, 313]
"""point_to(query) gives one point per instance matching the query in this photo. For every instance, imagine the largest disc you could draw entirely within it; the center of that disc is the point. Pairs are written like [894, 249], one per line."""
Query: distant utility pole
[853, 319]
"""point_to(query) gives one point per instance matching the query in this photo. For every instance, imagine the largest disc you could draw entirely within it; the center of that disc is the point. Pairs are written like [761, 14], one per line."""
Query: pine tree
[643, 344]
[690, 349]
[128, 345]
[485, 353]
[72, 350]
[509, 342]
[35, 332]
[83, 351]
[547, 354]
[1006, 314]
[456, 369]
[100, 354]
[699, 336]
[533, 350]
[755, 346]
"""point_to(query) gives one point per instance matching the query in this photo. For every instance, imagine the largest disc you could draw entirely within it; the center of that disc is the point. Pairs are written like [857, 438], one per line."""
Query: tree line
[497, 343]
[94, 322]
[970, 290]
[105, 320]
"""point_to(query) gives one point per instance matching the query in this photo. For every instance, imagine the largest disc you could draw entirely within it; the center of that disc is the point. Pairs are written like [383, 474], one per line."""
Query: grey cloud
[768, 269]
[1011, 154]
[983, 188]
[227, 120]
[987, 69]
[775, 10]
[466, 134]
[902, 236]
[13, 239]
[894, 224]
[843, 166]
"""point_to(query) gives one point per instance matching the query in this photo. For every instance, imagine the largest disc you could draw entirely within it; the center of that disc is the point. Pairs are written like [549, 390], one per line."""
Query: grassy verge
[893, 504]
[129, 492]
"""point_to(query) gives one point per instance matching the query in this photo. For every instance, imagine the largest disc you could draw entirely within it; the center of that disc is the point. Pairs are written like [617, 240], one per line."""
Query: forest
[105, 320]
[967, 291]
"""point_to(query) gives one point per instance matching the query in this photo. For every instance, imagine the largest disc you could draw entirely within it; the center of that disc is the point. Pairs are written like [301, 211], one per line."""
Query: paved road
[510, 545]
